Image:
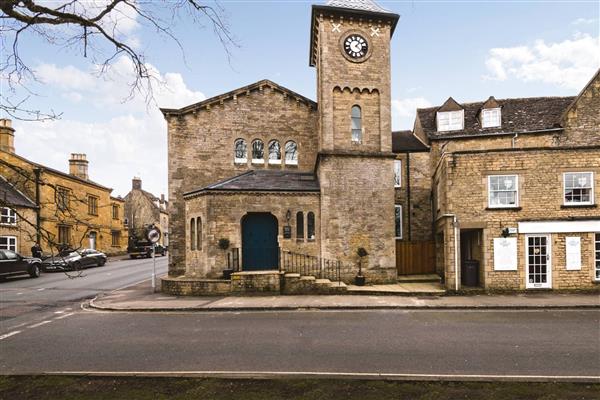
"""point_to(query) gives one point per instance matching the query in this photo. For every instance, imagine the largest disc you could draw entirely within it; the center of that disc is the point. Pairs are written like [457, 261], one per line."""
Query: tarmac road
[24, 300]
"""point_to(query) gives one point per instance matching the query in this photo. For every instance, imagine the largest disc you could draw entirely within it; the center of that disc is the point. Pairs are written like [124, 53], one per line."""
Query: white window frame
[398, 206]
[257, 160]
[397, 173]
[275, 161]
[491, 118]
[10, 214]
[457, 116]
[13, 246]
[290, 161]
[597, 256]
[578, 203]
[489, 190]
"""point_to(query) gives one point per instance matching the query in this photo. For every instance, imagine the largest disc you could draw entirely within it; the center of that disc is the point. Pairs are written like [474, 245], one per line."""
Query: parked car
[12, 263]
[75, 260]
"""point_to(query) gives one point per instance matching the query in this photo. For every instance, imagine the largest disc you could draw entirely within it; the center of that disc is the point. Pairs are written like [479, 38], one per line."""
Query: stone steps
[419, 278]
[294, 283]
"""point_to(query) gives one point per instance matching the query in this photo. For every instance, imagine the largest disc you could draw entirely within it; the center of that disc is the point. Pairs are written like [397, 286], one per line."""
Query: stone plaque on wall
[287, 232]
[505, 254]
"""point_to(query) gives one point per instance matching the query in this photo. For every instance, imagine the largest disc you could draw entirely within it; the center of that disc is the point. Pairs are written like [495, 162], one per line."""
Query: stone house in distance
[17, 221]
[69, 208]
[143, 209]
[503, 190]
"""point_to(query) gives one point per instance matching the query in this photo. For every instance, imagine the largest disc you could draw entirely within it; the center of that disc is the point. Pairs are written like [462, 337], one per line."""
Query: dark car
[12, 263]
[144, 249]
[75, 260]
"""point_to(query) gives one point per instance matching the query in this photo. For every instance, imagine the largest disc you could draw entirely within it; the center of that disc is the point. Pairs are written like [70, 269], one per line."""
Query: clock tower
[350, 48]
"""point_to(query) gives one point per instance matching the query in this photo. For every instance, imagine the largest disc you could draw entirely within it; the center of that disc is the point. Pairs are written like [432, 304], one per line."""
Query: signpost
[153, 236]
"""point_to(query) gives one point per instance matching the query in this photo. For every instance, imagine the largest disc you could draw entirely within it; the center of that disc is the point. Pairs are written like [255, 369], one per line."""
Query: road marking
[346, 375]
[65, 315]
[19, 293]
[39, 324]
[40, 289]
[9, 334]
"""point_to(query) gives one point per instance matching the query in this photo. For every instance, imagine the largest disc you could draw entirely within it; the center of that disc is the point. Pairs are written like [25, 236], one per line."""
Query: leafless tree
[96, 29]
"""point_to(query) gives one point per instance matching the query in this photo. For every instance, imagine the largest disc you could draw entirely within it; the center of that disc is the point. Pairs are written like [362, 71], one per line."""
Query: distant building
[17, 219]
[70, 210]
[143, 209]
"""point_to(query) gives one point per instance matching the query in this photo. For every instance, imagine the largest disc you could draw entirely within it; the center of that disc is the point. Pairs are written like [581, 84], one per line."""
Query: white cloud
[122, 139]
[584, 21]
[569, 64]
[404, 111]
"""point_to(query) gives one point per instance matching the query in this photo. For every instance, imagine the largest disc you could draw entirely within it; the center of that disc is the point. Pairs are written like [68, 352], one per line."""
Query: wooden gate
[415, 257]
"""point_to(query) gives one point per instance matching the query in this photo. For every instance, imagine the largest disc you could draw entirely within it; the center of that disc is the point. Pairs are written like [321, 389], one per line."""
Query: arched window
[291, 153]
[356, 123]
[192, 234]
[310, 225]
[240, 151]
[274, 152]
[258, 152]
[199, 233]
[300, 225]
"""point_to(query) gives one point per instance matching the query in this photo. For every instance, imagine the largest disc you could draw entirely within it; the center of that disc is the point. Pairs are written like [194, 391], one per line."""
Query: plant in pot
[224, 245]
[359, 280]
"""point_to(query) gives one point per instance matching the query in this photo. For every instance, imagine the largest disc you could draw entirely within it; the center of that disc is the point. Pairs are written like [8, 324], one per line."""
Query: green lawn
[71, 388]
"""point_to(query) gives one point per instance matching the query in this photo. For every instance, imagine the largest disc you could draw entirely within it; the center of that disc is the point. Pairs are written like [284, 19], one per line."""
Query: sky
[469, 50]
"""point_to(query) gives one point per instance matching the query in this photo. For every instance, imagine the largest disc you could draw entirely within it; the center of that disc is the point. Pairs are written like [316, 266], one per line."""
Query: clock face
[356, 46]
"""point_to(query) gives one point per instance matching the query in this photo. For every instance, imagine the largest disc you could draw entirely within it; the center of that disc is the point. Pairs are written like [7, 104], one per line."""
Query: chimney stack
[136, 183]
[162, 198]
[78, 165]
[7, 136]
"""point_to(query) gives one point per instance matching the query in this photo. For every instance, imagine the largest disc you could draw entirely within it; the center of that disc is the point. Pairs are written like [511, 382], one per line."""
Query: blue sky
[467, 50]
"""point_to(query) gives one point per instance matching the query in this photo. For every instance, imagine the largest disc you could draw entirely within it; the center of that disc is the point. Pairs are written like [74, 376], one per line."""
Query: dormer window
[450, 121]
[490, 118]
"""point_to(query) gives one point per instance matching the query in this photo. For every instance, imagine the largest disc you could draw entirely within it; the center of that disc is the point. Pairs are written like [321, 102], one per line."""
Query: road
[526, 343]
[26, 301]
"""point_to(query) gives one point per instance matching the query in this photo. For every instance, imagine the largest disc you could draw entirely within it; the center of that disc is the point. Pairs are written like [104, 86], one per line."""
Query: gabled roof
[574, 102]
[61, 173]
[533, 114]
[11, 196]
[243, 91]
[450, 105]
[406, 141]
[265, 181]
[363, 5]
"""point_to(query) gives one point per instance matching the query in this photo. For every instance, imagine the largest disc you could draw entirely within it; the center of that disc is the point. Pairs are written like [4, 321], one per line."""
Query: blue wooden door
[259, 242]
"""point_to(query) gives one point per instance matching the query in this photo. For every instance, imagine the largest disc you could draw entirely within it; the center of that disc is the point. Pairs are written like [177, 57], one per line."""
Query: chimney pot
[7, 136]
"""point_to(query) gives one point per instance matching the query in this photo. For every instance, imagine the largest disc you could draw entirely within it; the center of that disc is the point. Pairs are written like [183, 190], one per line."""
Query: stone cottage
[300, 186]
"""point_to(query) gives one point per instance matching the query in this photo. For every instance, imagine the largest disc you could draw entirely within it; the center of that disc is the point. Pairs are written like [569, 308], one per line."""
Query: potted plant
[224, 245]
[359, 280]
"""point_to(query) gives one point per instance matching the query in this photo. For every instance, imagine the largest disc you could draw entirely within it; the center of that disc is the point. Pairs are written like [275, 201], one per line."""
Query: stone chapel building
[284, 178]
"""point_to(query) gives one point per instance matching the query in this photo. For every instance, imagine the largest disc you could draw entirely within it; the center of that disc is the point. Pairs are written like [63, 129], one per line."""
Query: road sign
[153, 235]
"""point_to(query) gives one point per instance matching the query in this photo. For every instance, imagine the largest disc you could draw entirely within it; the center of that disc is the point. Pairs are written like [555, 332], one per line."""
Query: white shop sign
[505, 254]
[573, 252]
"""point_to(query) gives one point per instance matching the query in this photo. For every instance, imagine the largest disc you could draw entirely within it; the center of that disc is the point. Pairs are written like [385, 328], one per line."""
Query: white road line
[39, 324]
[9, 334]
[65, 315]
[347, 375]
[40, 289]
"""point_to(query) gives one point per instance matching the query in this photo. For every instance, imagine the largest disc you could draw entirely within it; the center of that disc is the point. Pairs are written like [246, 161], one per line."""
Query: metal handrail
[304, 264]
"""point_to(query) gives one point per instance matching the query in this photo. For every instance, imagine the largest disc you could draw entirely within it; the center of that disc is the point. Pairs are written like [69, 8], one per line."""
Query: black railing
[233, 259]
[304, 264]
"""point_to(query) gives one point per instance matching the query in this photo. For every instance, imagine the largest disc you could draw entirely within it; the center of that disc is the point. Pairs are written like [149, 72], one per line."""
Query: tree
[96, 28]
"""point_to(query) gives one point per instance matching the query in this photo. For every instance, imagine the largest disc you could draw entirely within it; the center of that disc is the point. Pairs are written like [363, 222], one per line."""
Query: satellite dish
[153, 235]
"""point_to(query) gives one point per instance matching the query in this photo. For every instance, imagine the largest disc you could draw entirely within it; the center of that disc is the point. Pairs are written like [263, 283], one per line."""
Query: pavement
[141, 298]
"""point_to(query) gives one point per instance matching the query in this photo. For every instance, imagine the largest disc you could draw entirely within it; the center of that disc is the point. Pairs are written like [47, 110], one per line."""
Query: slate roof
[363, 5]
[265, 181]
[518, 116]
[405, 141]
[12, 196]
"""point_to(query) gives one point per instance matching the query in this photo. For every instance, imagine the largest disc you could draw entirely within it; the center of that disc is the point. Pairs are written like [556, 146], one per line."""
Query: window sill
[508, 208]
[579, 206]
[274, 162]
[291, 163]
[258, 162]
[240, 161]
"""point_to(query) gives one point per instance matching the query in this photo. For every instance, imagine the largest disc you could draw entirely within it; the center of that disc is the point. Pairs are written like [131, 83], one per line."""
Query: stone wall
[582, 121]
[24, 231]
[540, 175]
[201, 146]
[222, 213]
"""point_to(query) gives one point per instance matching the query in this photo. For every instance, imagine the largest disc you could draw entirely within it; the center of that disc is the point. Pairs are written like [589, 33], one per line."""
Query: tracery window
[274, 152]
[258, 152]
[291, 153]
[240, 152]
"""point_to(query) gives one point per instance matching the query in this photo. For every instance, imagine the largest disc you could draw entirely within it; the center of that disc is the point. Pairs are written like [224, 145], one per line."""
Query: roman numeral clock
[355, 47]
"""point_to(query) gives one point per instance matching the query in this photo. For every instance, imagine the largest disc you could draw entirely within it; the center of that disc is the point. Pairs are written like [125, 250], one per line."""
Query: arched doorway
[260, 250]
